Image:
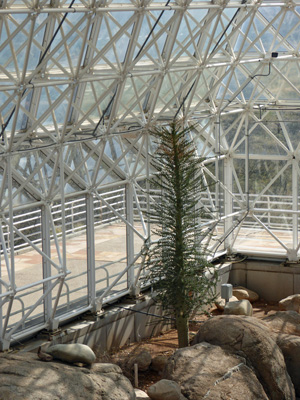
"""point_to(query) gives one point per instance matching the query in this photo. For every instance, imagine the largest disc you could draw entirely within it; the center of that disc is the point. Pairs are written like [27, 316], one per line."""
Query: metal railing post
[90, 248]
[45, 228]
[129, 235]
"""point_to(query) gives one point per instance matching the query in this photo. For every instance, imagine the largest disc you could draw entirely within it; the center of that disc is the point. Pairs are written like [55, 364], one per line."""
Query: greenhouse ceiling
[81, 85]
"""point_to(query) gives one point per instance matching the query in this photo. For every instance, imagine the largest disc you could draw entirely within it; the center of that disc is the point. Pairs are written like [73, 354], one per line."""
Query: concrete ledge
[273, 281]
[125, 323]
[119, 325]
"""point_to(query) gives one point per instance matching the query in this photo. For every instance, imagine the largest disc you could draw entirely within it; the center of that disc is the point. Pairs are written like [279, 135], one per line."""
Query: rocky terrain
[231, 357]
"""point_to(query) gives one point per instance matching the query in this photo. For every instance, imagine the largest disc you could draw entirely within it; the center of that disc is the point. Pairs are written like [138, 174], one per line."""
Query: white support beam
[293, 256]
[228, 203]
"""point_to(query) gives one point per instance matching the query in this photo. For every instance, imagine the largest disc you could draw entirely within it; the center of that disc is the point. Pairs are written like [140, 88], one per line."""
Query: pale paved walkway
[110, 246]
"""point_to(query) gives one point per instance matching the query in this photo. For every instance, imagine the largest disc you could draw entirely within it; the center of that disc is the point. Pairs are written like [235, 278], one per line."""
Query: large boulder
[251, 337]
[72, 353]
[210, 372]
[290, 347]
[290, 303]
[240, 307]
[25, 377]
[284, 322]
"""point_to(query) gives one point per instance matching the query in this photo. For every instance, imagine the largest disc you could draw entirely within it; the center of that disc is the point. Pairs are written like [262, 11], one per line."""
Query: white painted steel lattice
[81, 82]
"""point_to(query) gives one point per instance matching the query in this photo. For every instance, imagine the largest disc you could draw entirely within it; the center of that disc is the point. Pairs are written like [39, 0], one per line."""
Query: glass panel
[153, 24]
[96, 99]
[110, 241]
[53, 105]
[74, 292]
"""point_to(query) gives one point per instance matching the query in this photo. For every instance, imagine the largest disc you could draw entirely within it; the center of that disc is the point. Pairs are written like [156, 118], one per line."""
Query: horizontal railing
[29, 223]
[274, 211]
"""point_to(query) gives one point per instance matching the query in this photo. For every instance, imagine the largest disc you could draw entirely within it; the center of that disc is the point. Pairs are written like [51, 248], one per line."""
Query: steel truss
[81, 85]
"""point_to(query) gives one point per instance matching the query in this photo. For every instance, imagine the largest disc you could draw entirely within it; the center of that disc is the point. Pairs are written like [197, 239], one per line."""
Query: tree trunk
[182, 327]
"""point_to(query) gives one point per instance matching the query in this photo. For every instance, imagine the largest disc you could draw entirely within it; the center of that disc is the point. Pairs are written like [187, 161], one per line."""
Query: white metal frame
[82, 83]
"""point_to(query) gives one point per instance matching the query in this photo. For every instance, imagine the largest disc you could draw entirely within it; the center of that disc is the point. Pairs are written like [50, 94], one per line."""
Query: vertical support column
[129, 235]
[1, 306]
[217, 166]
[11, 225]
[247, 162]
[228, 202]
[63, 211]
[4, 342]
[295, 189]
[90, 246]
[148, 183]
[46, 248]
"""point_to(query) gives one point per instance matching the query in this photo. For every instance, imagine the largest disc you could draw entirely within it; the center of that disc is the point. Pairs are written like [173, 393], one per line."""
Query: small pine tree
[176, 264]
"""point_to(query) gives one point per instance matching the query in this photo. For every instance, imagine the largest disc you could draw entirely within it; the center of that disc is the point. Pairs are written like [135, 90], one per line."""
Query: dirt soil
[167, 344]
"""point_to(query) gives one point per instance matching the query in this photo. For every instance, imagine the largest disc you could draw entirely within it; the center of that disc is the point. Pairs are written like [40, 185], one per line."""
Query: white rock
[243, 293]
[140, 395]
[72, 353]
[240, 307]
[290, 303]
[220, 303]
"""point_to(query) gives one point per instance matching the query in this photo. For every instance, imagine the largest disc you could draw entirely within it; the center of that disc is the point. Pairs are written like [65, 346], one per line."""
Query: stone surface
[284, 322]
[242, 293]
[251, 337]
[220, 303]
[290, 303]
[25, 377]
[143, 359]
[240, 307]
[159, 362]
[290, 347]
[210, 372]
[165, 389]
[140, 395]
[72, 353]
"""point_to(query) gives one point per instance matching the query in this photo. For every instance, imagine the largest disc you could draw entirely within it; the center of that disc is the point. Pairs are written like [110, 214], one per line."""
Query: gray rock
[240, 307]
[159, 362]
[106, 368]
[290, 347]
[165, 390]
[243, 293]
[25, 377]
[284, 322]
[72, 353]
[142, 359]
[290, 303]
[251, 337]
[210, 372]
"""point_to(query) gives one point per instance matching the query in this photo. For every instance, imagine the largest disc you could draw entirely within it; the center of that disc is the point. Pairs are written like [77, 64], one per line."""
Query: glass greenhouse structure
[81, 84]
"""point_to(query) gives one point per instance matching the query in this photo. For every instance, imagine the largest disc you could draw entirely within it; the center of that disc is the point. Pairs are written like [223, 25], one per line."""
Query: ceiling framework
[81, 85]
